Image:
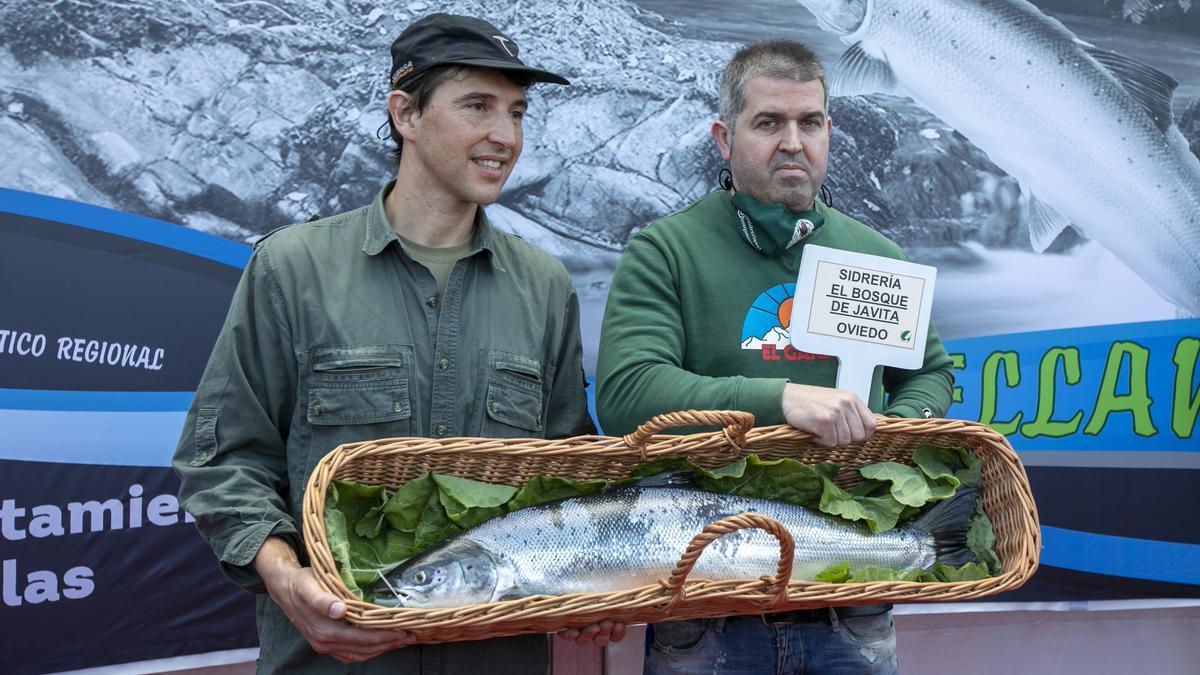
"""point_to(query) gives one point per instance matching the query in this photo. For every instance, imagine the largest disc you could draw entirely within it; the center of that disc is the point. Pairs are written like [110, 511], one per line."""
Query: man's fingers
[855, 424]
[603, 633]
[397, 640]
[600, 633]
[321, 601]
[587, 634]
[337, 609]
[870, 421]
[841, 429]
[340, 638]
[403, 638]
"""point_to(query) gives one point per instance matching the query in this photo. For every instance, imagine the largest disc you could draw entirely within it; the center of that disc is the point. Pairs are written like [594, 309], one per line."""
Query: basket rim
[645, 599]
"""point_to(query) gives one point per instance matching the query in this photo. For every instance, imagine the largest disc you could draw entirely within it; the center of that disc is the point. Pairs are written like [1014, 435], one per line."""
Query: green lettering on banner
[1044, 424]
[1187, 400]
[958, 362]
[1137, 401]
[1012, 377]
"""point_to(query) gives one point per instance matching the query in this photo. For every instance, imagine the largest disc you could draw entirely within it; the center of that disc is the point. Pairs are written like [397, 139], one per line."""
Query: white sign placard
[866, 310]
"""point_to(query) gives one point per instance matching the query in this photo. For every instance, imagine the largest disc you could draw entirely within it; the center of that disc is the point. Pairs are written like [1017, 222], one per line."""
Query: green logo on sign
[906, 336]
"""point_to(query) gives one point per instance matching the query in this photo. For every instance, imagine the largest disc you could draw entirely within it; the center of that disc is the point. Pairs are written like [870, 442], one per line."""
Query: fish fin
[514, 593]
[1137, 10]
[948, 523]
[667, 479]
[1152, 89]
[1045, 224]
[857, 72]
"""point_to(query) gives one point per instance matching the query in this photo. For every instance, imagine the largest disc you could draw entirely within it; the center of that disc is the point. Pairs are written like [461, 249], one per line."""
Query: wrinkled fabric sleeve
[911, 392]
[231, 458]
[567, 410]
[640, 369]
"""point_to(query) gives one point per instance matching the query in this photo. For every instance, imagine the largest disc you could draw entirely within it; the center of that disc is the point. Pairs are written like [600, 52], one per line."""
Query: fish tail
[948, 523]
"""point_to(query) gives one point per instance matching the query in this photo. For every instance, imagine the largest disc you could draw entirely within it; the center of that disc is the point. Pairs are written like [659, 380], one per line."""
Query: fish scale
[629, 537]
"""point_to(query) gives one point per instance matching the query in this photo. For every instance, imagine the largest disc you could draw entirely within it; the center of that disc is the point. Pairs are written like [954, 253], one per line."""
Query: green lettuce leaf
[917, 575]
[370, 532]
[542, 489]
[868, 574]
[982, 541]
[909, 486]
[835, 574]
[968, 572]
[959, 463]
[469, 502]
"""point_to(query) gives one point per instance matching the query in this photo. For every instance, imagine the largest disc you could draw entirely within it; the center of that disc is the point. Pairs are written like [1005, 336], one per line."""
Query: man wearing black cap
[408, 317]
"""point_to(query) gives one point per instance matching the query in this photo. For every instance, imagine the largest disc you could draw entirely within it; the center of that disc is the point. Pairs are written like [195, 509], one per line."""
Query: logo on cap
[505, 42]
[402, 73]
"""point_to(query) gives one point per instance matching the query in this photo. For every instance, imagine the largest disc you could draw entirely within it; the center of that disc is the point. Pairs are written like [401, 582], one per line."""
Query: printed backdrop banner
[1048, 172]
[1104, 420]
[105, 326]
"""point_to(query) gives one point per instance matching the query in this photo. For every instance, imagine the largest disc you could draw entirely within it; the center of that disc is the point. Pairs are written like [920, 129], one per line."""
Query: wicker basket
[1005, 496]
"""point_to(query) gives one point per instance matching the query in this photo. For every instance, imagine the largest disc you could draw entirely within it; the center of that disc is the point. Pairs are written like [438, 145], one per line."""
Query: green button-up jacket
[335, 334]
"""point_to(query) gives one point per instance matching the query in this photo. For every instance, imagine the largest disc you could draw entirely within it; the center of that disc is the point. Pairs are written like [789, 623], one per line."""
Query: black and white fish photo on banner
[1042, 155]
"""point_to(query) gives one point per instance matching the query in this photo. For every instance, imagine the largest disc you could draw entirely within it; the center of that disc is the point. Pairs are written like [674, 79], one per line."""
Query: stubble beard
[798, 193]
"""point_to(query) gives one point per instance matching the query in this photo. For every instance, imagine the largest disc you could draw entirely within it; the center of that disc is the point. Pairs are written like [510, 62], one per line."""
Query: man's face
[778, 149]
[465, 143]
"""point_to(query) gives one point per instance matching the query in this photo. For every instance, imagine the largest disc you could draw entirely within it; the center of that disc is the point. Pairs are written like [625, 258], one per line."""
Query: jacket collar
[379, 231]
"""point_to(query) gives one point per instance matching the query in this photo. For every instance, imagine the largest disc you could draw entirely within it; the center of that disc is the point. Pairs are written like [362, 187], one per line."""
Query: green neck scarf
[771, 229]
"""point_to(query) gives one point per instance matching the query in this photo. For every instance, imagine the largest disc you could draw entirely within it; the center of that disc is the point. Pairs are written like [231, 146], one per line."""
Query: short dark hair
[780, 58]
[422, 87]
[421, 90]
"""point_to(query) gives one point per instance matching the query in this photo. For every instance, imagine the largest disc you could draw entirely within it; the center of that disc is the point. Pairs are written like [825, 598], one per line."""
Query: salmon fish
[1087, 132]
[628, 537]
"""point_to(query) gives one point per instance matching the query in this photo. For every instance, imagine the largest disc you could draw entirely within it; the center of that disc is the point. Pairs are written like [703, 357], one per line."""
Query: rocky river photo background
[236, 118]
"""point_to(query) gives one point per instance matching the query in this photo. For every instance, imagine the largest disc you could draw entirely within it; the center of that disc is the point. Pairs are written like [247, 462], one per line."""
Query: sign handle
[854, 375]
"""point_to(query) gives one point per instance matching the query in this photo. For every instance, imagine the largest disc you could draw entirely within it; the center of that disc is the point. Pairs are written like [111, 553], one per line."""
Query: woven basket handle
[717, 529]
[737, 424]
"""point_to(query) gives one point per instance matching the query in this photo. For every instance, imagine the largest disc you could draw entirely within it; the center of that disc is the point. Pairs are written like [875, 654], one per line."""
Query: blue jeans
[755, 645]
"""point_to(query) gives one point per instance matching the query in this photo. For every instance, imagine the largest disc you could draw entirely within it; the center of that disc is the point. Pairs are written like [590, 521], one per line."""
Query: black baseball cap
[447, 39]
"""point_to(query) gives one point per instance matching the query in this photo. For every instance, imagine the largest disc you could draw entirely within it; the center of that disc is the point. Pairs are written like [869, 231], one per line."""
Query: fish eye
[420, 577]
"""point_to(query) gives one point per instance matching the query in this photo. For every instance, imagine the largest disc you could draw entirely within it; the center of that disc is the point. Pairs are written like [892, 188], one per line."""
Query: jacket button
[432, 301]
[443, 363]
[317, 409]
[441, 430]
[396, 407]
[494, 406]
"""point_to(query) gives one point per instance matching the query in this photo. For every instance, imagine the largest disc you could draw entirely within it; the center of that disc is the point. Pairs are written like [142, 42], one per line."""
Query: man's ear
[403, 113]
[720, 135]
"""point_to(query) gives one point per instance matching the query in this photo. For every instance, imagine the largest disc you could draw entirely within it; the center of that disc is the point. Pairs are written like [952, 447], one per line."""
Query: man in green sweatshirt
[697, 318]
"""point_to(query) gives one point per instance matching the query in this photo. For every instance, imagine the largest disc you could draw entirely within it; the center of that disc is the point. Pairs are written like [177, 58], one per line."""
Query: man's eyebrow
[476, 95]
[774, 115]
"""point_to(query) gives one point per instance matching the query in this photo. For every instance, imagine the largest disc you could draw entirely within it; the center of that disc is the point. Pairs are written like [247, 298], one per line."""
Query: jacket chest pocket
[514, 401]
[357, 394]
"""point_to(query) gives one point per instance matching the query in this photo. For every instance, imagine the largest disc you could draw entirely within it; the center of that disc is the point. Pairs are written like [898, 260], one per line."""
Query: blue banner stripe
[1121, 556]
[98, 401]
[101, 438]
[126, 225]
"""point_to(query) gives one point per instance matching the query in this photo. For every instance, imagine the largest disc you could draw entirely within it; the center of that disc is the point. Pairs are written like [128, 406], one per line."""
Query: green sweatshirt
[697, 319]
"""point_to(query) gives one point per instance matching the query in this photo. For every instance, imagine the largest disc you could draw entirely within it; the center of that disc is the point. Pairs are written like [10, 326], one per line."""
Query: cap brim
[537, 74]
